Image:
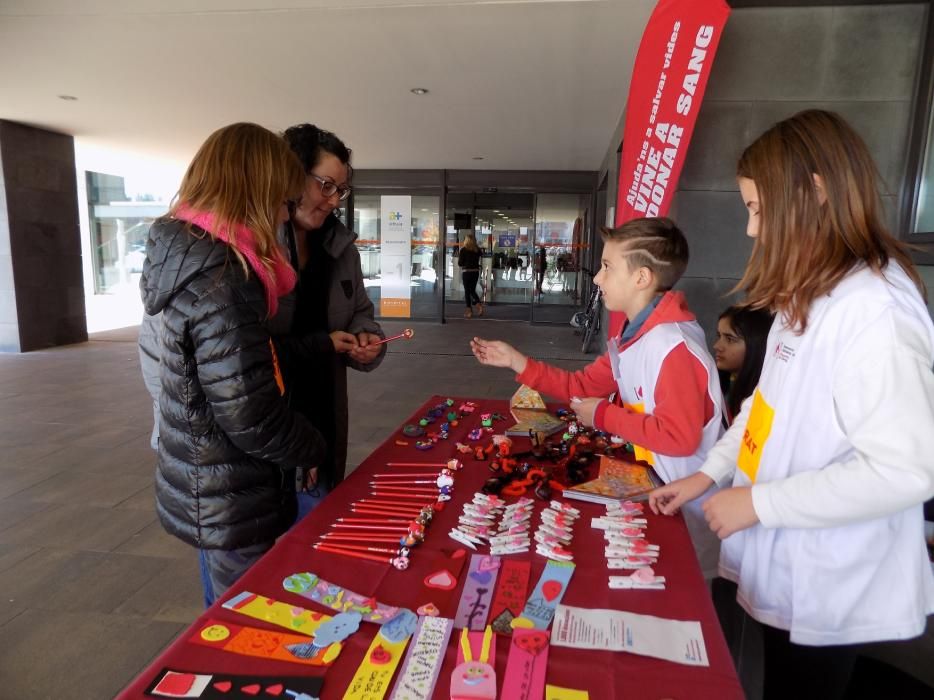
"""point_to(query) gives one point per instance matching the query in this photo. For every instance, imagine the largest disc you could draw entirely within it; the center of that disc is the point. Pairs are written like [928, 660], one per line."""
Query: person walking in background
[229, 445]
[468, 260]
[328, 323]
[541, 264]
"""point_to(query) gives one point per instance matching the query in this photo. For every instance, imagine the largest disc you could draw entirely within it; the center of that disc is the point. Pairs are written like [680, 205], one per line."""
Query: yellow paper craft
[527, 397]
[554, 692]
[375, 672]
[276, 612]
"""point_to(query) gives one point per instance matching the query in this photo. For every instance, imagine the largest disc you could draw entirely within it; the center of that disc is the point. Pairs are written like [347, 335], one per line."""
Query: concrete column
[41, 286]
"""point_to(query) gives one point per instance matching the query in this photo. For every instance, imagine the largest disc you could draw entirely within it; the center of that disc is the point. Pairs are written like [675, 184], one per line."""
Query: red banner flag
[668, 82]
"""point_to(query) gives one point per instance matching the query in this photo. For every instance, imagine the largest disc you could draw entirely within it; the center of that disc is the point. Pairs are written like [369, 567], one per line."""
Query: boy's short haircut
[656, 243]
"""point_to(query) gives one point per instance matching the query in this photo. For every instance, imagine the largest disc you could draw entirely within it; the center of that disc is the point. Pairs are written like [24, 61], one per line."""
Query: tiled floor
[91, 588]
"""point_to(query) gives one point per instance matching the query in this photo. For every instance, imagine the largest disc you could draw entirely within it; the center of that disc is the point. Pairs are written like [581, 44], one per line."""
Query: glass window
[119, 228]
[424, 281]
[561, 238]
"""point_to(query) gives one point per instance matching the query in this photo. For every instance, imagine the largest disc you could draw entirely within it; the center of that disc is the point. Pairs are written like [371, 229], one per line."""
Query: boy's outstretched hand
[669, 498]
[496, 353]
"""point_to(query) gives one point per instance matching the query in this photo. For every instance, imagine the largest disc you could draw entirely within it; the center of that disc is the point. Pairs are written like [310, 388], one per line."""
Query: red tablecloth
[604, 674]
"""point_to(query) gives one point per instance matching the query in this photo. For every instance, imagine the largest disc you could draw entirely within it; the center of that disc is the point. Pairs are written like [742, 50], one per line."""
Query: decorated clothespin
[625, 508]
[643, 578]
[624, 533]
[631, 562]
[554, 551]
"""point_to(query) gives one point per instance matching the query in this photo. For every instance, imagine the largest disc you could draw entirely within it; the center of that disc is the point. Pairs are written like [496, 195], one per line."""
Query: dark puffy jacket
[229, 445]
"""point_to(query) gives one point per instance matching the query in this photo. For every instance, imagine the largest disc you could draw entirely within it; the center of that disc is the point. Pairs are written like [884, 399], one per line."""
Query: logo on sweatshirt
[783, 352]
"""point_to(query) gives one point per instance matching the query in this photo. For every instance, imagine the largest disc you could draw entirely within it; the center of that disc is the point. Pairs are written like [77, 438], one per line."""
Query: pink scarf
[277, 283]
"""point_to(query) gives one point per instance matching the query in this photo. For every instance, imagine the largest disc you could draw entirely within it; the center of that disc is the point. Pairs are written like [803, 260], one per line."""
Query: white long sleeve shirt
[846, 461]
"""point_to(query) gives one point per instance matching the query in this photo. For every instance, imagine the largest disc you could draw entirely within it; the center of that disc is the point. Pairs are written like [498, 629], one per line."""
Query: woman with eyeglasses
[328, 323]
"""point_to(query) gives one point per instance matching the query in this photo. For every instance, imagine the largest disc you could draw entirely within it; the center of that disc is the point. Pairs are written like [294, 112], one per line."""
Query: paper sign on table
[374, 674]
[423, 661]
[616, 630]
[554, 692]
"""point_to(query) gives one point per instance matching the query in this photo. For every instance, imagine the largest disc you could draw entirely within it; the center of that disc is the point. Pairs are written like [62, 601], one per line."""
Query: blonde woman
[468, 260]
[229, 445]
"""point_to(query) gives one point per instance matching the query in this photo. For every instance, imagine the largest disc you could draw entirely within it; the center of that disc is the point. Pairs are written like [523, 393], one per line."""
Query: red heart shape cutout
[532, 642]
[275, 689]
[551, 589]
[380, 656]
[441, 579]
[251, 689]
[644, 575]
[223, 686]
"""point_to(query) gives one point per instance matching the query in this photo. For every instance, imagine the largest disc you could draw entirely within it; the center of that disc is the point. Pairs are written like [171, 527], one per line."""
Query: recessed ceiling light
[419, 91]
[68, 98]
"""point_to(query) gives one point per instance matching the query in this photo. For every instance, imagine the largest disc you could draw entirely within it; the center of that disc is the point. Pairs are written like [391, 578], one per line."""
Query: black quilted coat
[229, 445]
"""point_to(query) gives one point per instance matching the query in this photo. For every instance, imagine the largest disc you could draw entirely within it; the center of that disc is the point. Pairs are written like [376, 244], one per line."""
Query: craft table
[604, 674]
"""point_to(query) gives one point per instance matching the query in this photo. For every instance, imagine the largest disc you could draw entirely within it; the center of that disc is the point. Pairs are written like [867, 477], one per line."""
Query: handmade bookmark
[374, 674]
[214, 686]
[474, 606]
[540, 607]
[330, 595]
[275, 612]
[511, 589]
[251, 641]
[474, 676]
[438, 586]
[555, 692]
[423, 661]
[525, 667]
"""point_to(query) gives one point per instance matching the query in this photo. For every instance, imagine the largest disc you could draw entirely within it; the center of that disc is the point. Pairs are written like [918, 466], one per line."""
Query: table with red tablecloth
[604, 674]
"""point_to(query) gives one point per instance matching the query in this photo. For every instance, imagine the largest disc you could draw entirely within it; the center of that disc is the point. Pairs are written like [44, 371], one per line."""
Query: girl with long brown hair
[830, 458]
[228, 443]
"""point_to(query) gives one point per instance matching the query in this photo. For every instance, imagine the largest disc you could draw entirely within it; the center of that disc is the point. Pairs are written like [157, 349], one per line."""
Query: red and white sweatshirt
[683, 405]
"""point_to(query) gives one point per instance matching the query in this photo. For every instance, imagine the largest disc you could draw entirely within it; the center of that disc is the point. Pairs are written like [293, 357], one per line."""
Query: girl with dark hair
[826, 468]
[327, 324]
[739, 351]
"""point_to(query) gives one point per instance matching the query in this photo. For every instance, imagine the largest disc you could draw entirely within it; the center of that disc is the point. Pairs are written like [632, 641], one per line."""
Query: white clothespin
[630, 562]
[657, 583]
[456, 534]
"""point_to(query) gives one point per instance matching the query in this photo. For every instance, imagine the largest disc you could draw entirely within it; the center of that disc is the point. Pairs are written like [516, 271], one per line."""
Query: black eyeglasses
[329, 188]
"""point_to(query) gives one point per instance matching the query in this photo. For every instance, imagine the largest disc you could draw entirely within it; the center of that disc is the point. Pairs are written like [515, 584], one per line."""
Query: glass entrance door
[503, 226]
[562, 255]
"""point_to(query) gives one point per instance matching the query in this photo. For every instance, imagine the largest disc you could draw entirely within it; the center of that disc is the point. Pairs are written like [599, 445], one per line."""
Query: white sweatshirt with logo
[838, 445]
